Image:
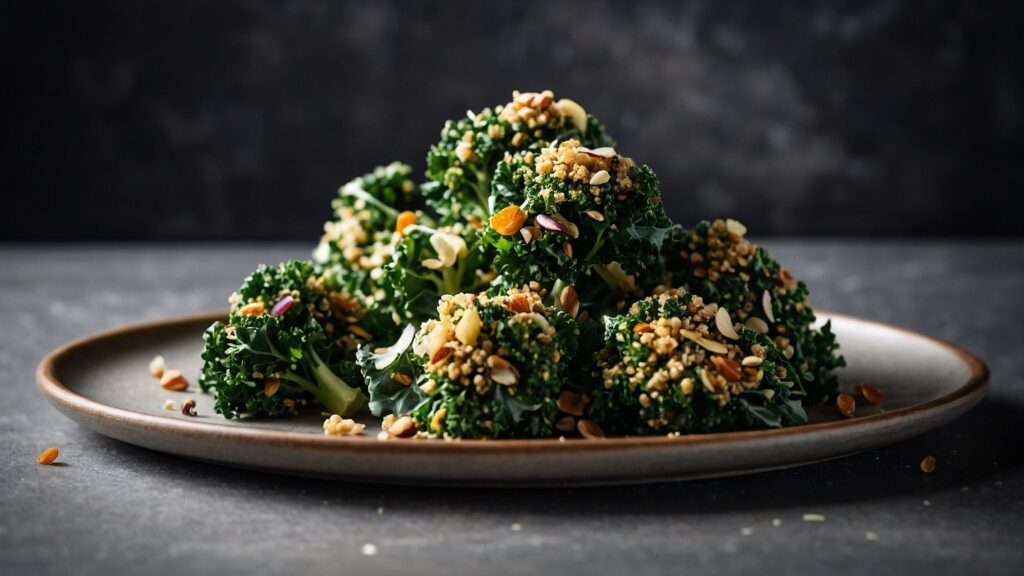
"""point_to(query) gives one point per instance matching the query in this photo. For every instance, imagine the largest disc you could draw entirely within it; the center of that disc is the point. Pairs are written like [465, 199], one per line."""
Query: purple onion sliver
[545, 221]
[282, 306]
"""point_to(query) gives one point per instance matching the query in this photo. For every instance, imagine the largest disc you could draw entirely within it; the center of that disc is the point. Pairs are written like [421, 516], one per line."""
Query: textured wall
[240, 119]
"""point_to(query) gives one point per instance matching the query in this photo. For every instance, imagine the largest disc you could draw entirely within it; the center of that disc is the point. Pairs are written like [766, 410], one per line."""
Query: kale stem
[356, 192]
[610, 279]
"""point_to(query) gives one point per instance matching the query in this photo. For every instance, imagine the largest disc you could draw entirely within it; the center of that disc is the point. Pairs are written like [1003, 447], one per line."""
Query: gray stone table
[114, 508]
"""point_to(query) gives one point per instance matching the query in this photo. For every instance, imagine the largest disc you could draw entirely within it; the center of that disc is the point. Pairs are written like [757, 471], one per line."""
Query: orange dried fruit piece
[405, 219]
[508, 220]
[846, 405]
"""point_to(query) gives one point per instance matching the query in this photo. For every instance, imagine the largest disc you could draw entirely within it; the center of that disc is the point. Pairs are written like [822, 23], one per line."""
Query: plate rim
[66, 400]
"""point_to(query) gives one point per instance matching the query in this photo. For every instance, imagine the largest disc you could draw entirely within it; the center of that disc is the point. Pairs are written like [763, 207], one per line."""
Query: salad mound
[531, 286]
[676, 364]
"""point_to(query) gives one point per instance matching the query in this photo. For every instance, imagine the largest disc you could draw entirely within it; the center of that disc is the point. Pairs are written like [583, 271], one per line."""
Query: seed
[724, 324]
[157, 366]
[571, 402]
[928, 464]
[437, 338]
[870, 393]
[728, 368]
[403, 427]
[188, 407]
[48, 456]
[359, 331]
[567, 248]
[846, 405]
[589, 429]
[271, 386]
[566, 424]
[570, 301]
[686, 386]
[252, 309]
[595, 215]
[403, 379]
[766, 303]
[600, 177]
[173, 380]
[752, 361]
[405, 219]
[713, 346]
[526, 234]
[468, 328]
[602, 152]
[168, 405]
[519, 303]
[508, 220]
[642, 328]
[700, 272]
[438, 419]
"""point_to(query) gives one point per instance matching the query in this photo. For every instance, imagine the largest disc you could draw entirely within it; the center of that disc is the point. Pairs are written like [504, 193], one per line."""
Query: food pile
[533, 286]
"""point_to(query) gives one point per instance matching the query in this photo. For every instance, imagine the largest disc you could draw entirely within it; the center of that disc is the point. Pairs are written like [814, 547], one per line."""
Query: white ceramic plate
[102, 382]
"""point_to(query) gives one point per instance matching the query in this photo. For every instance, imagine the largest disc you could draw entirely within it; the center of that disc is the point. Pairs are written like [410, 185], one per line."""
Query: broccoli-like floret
[461, 164]
[428, 263]
[576, 216]
[290, 340]
[486, 367]
[717, 262]
[674, 364]
[360, 238]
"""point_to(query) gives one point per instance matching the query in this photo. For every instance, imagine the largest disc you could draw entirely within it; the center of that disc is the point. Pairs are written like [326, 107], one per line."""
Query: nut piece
[595, 215]
[757, 325]
[846, 405]
[169, 405]
[600, 177]
[519, 303]
[338, 426]
[571, 402]
[48, 456]
[403, 427]
[501, 371]
[868, 392]
[728, 368]
[724, 324]
[734, 227]
[173, 380]
[157, 366]
[188, 407]
[565, 424]
[766, 303]
[752, 361]
[928, 464]
[570, 301]
[271, 386]
[574, 112]
[402, 378]
[589, 429]
[468, 328]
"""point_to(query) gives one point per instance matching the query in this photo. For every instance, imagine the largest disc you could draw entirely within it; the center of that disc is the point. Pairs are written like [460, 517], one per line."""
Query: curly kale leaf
[393, 376]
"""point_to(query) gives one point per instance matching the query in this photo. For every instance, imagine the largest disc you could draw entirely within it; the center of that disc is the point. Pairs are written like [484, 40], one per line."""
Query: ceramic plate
[103, 382]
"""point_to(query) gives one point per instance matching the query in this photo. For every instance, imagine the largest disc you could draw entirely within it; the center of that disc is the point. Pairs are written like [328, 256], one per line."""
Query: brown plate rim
[63, 397]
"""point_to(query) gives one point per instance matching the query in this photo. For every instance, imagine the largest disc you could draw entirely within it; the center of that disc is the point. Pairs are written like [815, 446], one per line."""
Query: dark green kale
[360, 238]
[717, 262]
[574, 216]
[290, 340]
[674, 364]
[486, 367]
[460, 165]
[393, 376]
[428, 263]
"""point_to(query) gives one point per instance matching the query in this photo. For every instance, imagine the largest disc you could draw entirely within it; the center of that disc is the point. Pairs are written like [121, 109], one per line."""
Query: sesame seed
[369, 550]
[814, 517]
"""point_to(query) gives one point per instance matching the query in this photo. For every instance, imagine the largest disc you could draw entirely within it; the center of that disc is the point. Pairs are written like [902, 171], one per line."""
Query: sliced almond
[728, 368]
[757, 325]
[359, 331]
[602, 152]
[506, 376]
[403, 427]
[846, 405]
[599, 178]
[570, 301]
[566, 424]
[271, 386]
[595, 215]
[766, 303]
[574, 112]
[526, 234]
[724, 324]
[437, 338]
[589, 429]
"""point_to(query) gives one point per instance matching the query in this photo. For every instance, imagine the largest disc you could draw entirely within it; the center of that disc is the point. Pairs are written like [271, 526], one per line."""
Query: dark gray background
[238, 120]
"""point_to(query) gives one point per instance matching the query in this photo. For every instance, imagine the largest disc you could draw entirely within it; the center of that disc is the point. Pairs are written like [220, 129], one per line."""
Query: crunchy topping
[338, 426]
[157, 366]
[573, 162]
[48, 456]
